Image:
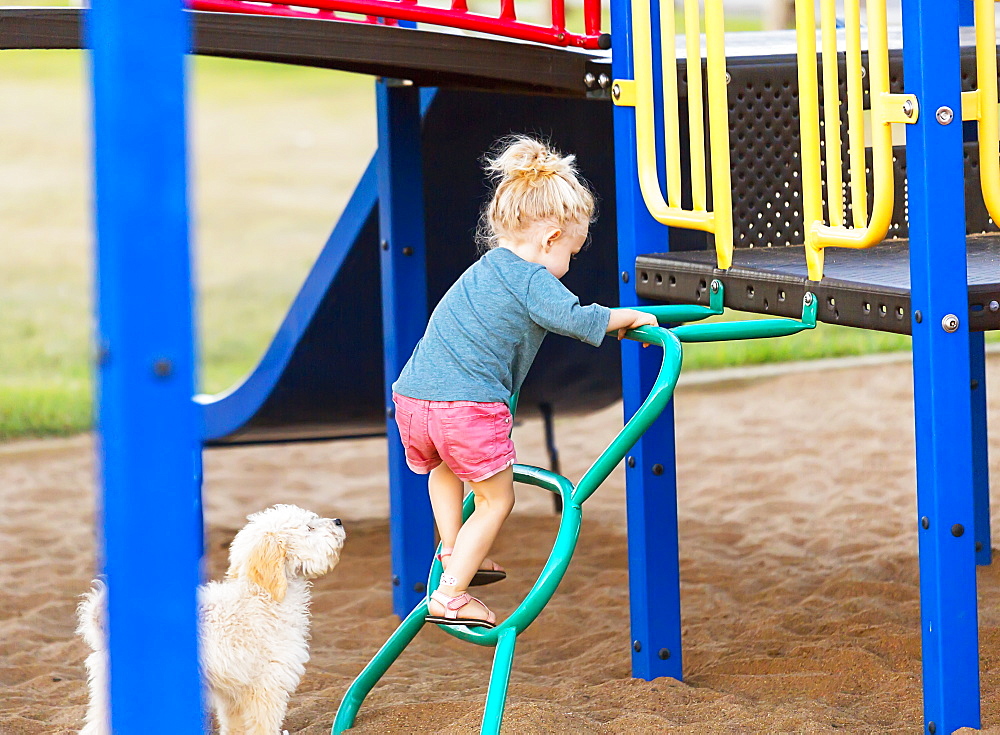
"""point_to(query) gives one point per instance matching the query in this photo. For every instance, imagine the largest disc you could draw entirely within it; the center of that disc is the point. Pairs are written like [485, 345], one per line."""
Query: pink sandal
[451, 607]
[481, 577]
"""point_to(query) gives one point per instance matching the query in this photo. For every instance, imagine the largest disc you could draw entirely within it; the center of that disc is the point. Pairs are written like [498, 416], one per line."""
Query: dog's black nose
[336, 522]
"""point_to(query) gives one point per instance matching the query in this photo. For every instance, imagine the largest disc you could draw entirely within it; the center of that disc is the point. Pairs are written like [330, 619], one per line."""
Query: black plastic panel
[332, 384]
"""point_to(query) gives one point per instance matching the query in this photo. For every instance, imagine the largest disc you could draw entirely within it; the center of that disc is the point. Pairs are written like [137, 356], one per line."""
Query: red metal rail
[390, 12]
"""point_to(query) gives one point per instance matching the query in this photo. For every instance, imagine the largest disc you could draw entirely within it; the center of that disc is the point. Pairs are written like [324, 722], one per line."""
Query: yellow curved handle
[819, 234]
[720, 220]
[989, 125]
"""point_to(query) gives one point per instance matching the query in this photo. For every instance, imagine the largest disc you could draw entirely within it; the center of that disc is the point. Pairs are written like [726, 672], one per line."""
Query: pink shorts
[472, 439]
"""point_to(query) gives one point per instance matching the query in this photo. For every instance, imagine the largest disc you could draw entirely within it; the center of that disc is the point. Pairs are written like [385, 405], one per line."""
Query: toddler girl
[452, 396]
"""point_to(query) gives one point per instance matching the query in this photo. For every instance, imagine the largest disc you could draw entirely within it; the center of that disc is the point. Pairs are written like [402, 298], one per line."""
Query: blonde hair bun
[534, 182]
[526, 158]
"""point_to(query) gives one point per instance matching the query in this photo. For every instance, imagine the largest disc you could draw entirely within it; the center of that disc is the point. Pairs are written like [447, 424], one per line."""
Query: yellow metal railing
[638, 93]
[886, 108]
[981, 105]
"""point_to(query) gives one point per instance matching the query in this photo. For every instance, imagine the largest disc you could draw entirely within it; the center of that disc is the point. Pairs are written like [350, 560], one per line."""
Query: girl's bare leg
[447, 492]
[494, 501]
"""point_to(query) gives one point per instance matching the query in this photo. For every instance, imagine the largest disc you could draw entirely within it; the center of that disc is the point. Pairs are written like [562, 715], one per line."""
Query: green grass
[276, 152]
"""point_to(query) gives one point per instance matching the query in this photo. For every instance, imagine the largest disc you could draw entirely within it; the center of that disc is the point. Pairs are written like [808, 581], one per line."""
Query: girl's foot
[462, 609]
[488, 573]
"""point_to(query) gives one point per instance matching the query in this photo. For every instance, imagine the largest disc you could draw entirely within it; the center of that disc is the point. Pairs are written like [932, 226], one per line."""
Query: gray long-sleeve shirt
[485, 332]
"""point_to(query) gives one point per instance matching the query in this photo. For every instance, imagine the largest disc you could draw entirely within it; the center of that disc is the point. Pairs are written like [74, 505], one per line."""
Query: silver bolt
[604, 80]
[994, 306]
[864, 72]
[616, 91]
[715, 286]
[908, 108]
[949, 323]
[589, 79]
[729, 77]
[808, 299]
[944, 115]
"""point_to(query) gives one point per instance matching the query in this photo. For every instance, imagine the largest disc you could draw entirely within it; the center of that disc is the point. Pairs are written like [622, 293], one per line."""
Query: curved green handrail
[505, 634]
[569, 526]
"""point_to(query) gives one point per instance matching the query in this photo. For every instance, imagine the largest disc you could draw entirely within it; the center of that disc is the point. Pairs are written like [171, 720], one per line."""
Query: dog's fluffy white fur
[254, 625]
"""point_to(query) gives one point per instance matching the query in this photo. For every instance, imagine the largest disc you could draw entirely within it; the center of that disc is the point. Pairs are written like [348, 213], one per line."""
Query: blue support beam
[651, 478]
[980, 448]
[941, 370]
[966, 13]
[149, 433]
[404, 317]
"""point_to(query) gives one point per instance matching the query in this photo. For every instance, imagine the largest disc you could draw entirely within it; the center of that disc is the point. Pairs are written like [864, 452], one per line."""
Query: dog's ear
[266, 566]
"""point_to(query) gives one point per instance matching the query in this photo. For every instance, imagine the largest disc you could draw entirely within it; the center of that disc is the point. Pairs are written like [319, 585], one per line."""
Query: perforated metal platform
[862, 288]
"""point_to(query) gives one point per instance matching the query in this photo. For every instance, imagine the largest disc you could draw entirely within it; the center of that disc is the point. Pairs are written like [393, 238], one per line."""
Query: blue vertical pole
[149, 438]
[650, 475]
[966, 13]
[941, 371]
[404, 316]
[980, 448]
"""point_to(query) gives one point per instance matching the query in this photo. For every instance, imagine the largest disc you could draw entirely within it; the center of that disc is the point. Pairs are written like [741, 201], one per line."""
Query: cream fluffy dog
[254, 625]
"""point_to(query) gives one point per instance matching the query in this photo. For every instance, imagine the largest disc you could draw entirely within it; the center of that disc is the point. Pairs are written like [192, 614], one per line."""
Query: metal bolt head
[616, 92]
[715, 286]
[604, 80]
[925, 523]
[657, 469]
[664, 654]
[395, 580]
[957, 530]
[864, 72]
[631, 461]
[385, 244]
[729, 78]
[162, 368]
[637, 646]
[931, 728]
[419, 587]
[949, 323]
[944, 115]
[407, 251]
[624, 276]
[994, 306]
[590, 80]
[917, 316]
[808, 298]
[908, 108]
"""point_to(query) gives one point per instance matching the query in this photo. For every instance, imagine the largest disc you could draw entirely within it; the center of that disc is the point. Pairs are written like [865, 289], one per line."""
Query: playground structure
[921, 288]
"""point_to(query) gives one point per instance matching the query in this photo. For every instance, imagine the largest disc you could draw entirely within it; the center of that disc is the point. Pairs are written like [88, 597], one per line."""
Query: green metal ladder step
[504, 637]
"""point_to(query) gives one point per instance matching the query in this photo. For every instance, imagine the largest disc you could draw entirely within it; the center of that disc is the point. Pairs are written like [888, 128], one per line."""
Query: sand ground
[798, 556]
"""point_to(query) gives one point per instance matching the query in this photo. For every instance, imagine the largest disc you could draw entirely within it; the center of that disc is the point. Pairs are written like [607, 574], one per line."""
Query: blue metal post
[149, 437]
[980, 448]
[941, 372]
[966, 13]
[651, 478]
[404, 317]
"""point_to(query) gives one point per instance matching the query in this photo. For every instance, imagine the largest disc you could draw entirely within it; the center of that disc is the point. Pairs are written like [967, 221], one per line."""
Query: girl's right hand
[622, 320]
